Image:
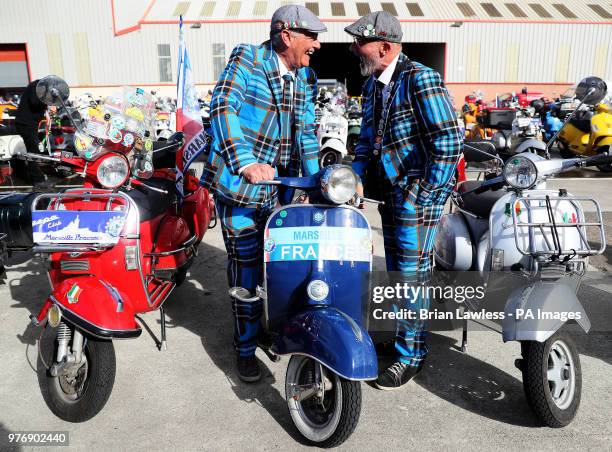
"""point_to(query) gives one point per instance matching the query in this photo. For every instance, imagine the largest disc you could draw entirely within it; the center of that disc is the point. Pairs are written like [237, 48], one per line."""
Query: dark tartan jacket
[422, 137]
[245, 123]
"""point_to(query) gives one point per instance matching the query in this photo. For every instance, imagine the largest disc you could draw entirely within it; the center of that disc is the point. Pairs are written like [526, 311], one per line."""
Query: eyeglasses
[362, 41]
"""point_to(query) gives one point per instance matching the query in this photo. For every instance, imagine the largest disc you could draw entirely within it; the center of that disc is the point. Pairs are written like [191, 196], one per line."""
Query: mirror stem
[552, 140]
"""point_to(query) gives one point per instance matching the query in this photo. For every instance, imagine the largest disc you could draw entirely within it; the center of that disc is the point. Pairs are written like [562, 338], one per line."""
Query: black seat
[478, 151]
[479, 204]
[152, 203]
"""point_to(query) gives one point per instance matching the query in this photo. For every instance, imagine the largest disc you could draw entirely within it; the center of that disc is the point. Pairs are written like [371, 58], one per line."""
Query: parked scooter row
[117, 248]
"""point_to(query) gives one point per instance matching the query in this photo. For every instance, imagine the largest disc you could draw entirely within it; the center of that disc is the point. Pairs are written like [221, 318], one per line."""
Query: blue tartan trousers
[243, 229]
[409, 231]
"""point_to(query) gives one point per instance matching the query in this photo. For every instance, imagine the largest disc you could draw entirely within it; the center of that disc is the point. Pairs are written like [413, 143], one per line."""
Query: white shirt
[283, 70]
[385, 78]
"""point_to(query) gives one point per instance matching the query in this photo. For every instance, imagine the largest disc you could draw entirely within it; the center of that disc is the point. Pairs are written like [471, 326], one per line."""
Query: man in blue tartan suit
[406, 155]
[263, 125]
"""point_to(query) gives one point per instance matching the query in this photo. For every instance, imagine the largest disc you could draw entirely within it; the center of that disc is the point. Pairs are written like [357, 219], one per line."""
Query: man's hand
[359, 190]
[257, 172]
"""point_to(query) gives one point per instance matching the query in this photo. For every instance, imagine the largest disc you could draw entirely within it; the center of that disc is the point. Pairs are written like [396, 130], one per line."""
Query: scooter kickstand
[273, 356]
[163, 345]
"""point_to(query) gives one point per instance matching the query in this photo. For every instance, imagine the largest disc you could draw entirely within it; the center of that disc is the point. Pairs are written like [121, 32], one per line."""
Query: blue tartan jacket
[245, 123]
[422, 137]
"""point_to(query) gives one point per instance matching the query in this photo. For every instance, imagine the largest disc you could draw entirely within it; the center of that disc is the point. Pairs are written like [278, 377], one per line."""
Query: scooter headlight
[338, 184]
[500, 141]
[113, 171]
[317, 290]
[520, 172]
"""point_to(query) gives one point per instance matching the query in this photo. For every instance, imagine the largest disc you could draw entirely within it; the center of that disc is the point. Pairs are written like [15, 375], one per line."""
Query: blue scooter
[317, 263]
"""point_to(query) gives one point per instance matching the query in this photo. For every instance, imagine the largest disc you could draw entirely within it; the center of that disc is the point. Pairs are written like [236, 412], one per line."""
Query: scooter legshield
[96, 307]
[332, 338]
[534, 312]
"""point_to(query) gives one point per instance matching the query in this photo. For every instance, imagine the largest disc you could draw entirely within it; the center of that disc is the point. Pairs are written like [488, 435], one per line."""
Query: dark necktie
[285, 116]
[378, 104]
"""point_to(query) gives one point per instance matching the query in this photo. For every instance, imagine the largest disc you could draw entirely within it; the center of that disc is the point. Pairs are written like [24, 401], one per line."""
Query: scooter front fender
[96, 307]
[534, 312]
[332, 338]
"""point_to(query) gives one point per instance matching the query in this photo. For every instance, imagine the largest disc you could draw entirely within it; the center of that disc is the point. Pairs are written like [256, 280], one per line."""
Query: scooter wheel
[80, 396]
[326, 421]
[552, 379]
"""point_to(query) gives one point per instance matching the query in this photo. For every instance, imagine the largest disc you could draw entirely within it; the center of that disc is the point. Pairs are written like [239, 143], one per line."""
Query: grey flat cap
[296, 17]
[379, 25]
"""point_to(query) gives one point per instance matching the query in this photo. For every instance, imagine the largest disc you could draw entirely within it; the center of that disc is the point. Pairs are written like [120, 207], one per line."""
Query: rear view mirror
[52, 90]
[591, 90]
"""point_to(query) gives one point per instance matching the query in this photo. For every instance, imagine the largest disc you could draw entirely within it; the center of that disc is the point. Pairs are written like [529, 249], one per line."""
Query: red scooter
[116, 248]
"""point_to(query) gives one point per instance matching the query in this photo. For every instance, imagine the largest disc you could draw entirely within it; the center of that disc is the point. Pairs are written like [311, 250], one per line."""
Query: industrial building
[494, 46]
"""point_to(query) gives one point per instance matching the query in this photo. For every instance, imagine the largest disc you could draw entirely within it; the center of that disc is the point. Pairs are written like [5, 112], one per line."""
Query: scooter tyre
[101, 370]
[536, 363]
[348, 398]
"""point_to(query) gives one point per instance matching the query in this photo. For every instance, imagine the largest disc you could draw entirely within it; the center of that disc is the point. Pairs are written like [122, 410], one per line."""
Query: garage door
[13, 66]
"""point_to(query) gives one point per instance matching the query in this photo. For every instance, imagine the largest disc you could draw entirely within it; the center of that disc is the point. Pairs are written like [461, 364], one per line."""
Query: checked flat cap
[296, 17]
[378, 25]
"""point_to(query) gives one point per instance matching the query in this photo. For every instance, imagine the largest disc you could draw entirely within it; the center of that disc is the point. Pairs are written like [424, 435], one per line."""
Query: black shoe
[248, 369]
[395, 376]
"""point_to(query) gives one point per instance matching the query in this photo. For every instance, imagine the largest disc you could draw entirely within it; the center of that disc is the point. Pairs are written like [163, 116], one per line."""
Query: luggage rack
[56, 199]
[549, 230]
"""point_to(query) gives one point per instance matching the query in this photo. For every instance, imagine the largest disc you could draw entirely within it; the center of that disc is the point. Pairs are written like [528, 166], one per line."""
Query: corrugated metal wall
[67, 36]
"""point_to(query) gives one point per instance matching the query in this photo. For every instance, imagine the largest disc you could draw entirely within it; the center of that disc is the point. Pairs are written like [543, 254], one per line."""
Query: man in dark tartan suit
[263, 125]
[406, 155]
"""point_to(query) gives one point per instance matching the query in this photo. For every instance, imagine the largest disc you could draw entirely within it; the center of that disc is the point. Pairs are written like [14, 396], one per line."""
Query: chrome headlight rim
[108, 160]
[317, 290]
[337, 191]
[513, 161]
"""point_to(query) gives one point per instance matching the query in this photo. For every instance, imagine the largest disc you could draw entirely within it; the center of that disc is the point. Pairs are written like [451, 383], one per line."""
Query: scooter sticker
[269, 245]
[72, 226]
[74, 293]
[318, 243]
[128, 140]
[115, 135]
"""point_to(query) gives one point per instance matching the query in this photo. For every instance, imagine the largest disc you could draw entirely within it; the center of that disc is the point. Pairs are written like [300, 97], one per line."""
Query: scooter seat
[480, 204]
[152, 203]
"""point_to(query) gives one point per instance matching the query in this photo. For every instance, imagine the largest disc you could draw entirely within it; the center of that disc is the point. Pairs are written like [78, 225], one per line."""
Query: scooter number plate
[68, 226]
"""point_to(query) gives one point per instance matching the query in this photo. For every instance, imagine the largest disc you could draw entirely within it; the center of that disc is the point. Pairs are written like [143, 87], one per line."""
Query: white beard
[367, 66]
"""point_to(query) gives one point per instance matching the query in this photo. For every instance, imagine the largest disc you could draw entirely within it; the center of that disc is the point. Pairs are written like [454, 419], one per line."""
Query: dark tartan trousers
[409, 231]
[243, 229]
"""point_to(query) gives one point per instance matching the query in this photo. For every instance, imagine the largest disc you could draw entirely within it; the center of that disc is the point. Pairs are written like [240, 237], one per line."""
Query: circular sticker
[114, 225]
[128, 140]
[269, 245]
[279, 222]
[318, 217]
[81, 142]
[115, 135]
[283, 214]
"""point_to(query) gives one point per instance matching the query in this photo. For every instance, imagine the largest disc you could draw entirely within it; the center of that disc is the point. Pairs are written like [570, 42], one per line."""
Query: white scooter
[533, 241]
[332, 135]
